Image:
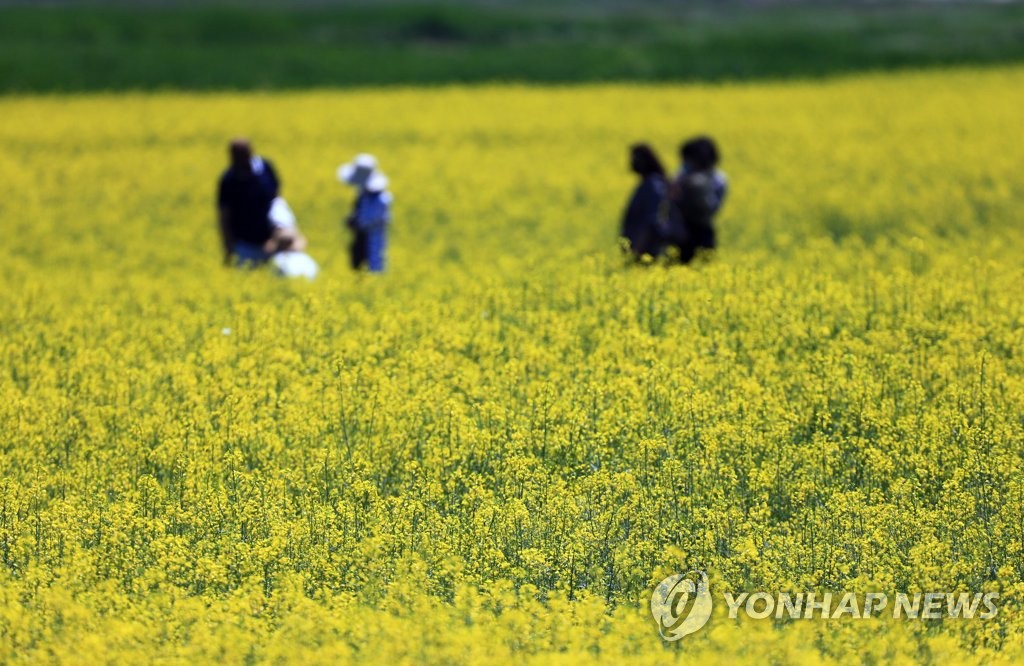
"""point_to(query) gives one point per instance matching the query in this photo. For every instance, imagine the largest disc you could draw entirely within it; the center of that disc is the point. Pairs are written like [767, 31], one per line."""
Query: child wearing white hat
[371, 212]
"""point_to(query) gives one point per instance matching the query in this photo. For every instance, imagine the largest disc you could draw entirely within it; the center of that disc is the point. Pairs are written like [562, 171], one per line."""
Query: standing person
[371, 212]
[697, 194]
[642, 221]
[249, 206]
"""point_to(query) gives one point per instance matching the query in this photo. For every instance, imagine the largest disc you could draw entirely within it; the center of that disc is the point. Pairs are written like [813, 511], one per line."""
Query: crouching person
[287, 249]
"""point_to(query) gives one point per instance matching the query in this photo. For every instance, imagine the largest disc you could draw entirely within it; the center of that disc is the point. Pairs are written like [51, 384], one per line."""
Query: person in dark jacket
[641, 223]
[246, 193]
[696, 194]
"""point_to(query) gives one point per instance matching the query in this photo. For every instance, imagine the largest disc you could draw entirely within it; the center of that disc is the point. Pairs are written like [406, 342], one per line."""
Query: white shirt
[281, 214]
[295, 264]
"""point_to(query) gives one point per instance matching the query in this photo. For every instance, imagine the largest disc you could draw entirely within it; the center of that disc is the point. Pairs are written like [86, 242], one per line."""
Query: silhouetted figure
[696, 195]
[371, 212]
[642, 221]
[248, 189]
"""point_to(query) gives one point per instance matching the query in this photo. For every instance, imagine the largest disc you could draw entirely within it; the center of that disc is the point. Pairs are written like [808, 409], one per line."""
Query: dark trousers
[359, 250]
[694, 238]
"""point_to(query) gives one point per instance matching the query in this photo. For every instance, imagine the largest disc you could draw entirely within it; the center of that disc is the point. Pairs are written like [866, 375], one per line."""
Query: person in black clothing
[246, 193]
[641, 223]
[696, 195]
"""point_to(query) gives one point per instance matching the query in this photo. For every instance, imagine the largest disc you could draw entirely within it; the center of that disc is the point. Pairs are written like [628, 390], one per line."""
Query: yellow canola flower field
[494, 451]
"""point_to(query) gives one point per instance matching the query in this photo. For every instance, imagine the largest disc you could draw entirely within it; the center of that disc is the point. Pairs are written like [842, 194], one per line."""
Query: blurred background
[59, 46]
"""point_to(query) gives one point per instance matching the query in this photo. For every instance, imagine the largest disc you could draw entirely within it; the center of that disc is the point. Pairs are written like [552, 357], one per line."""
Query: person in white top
[287, 248]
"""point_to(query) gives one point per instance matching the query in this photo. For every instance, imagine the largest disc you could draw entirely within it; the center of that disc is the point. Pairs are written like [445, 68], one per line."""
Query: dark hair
[240, 151]
[644, 161]
[700, 152]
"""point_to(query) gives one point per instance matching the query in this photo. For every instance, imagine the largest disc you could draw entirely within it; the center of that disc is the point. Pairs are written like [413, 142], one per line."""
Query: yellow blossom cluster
[496, 449]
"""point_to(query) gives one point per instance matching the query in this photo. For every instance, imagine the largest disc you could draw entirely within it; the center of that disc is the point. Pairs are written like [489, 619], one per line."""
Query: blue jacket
[372, 210]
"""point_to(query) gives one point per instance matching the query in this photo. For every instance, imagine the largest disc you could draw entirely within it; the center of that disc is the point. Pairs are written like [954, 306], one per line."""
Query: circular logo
[681, 604]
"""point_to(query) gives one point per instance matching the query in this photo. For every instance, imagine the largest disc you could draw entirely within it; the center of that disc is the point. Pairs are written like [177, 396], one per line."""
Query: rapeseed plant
[497, 449]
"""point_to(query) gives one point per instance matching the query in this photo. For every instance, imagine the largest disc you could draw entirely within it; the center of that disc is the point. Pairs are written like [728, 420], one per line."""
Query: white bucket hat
[362, 171]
